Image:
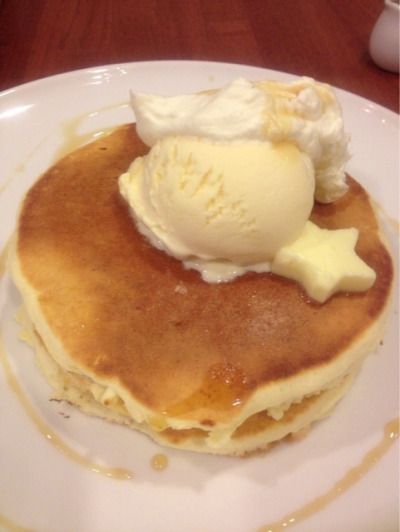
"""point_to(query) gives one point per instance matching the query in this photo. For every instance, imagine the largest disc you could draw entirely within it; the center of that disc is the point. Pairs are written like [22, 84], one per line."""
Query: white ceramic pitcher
[384, 40]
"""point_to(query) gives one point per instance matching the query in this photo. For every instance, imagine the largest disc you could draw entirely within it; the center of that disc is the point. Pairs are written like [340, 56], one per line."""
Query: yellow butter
[324, 262]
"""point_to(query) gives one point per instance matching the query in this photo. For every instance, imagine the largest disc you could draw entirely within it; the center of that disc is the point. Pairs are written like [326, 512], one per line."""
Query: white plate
[44, 490]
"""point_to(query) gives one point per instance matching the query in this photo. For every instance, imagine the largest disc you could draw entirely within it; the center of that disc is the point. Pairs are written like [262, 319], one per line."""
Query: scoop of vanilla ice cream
[233, 204]
[304, 112]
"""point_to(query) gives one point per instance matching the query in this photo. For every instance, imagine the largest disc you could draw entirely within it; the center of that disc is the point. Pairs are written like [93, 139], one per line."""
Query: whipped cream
[304, 112]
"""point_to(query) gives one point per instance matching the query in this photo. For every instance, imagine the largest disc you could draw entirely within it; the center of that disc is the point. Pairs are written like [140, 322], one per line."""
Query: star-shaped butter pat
[324, 261]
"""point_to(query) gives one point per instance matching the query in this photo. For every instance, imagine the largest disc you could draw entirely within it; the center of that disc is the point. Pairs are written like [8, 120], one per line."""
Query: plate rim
[53, 78]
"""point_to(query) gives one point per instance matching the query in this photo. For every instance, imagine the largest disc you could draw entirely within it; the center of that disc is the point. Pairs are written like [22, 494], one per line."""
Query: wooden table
[324, 39]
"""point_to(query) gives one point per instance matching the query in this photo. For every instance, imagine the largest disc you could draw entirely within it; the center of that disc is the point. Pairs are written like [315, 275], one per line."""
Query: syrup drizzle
[159, 462]
[4, 258]
[393, 223]
[71, 139]
[10, 526]
[351, 477]
[51, 436]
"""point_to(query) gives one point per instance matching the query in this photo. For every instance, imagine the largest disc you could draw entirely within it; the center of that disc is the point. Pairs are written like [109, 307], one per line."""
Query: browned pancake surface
[127, 311]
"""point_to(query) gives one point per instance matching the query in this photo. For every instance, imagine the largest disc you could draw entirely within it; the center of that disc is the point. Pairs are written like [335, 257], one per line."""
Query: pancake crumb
[180, 288]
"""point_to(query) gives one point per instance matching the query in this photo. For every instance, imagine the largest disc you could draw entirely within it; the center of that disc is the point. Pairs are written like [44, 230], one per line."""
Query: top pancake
[124, 313]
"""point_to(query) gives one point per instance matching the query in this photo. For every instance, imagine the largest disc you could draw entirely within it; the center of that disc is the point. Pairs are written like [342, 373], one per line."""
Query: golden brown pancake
[148, 343]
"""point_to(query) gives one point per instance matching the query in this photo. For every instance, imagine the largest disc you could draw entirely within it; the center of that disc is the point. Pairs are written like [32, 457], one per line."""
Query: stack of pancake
[123, 331]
